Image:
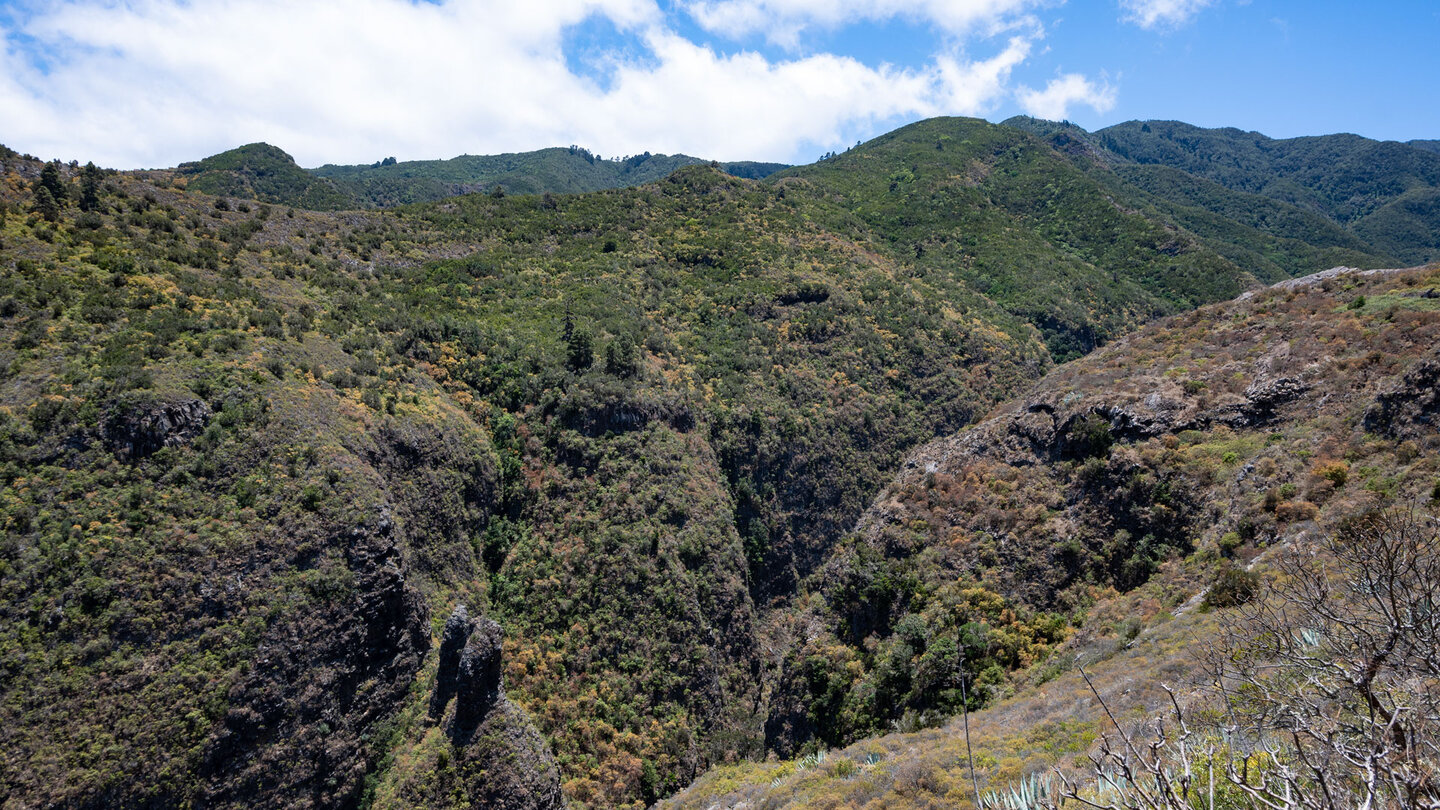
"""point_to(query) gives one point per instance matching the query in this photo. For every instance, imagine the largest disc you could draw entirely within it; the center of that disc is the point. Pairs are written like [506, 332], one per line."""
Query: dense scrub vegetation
[252, 455]
[537, 426]
[1186, 457]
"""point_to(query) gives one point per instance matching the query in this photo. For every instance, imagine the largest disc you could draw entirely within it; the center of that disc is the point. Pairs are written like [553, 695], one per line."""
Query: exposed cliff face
[248, 615]
[318, 684]
[469, 672]
[1410, 409]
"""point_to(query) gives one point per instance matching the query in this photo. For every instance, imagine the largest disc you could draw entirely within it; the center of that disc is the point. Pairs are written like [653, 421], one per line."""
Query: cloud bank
[151, 82]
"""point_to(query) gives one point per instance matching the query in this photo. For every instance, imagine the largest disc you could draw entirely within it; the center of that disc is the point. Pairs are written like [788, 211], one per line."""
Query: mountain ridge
[1384, 191]
[268, 174]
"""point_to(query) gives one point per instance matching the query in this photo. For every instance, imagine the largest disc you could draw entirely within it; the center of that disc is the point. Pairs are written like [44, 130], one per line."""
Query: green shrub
[1091, 437]
[1232, 586]
[311, 497]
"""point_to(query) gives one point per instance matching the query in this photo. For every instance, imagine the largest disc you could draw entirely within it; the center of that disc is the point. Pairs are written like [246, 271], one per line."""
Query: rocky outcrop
[601, 407]
[1412, 408]
[1262, 399]
[500, 758]
[137, 430]
[469, 672]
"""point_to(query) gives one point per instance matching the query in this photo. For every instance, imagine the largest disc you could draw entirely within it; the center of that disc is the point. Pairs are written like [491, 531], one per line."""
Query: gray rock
[1411, 409]
[501, 757]
[1263, 398]
[137, 430]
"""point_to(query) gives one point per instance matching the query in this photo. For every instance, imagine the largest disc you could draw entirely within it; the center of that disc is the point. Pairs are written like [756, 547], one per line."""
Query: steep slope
[214, 562]
[259, 171]
[1347, 178]
[1252, 230]
[279, 446]
[282, 445]
[1204, 441]
[556, 170]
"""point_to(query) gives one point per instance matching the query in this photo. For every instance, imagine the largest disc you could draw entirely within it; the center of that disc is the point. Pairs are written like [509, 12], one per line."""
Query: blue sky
[144, 83]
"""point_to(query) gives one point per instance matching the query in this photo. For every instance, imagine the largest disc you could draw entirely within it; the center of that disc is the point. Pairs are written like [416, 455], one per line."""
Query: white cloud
[970, 88]
[1151, 14]
[155, 82]
[783, 21]
[1054, 102]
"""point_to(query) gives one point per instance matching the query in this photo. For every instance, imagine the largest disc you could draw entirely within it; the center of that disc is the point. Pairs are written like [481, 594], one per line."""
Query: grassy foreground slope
[1193, 446]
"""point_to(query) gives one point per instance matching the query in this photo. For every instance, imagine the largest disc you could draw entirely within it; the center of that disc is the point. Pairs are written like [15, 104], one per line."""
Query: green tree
[46, 205]
[51, 181]
[90, 178]
[622, 358]
[579, 349]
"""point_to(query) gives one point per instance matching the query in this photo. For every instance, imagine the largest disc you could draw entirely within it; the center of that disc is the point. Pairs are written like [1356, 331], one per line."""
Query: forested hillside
[1385, 192]
[254, 458]
[265, 173]
[262, 172]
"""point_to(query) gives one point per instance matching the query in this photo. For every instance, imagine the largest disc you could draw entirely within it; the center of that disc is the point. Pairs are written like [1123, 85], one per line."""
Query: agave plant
[809, 761]
[1035, 792]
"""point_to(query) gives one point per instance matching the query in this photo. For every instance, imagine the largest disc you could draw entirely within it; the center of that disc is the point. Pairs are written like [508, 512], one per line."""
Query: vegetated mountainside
[1383, 191]
[1199, 444]
[220, 576]
[262, 172]
[1004, 213]
[252, 457]
[1428, 146]
[1272, 238]
[259, 171]
[557, 170]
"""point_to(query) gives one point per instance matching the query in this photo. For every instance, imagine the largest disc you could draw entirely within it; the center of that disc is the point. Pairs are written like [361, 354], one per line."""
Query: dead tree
[1323, 692]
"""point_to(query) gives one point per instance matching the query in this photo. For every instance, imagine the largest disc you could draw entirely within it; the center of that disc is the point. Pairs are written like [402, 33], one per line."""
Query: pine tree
[45, 204]
[90, 187]
[51, 181]
[580, 350]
